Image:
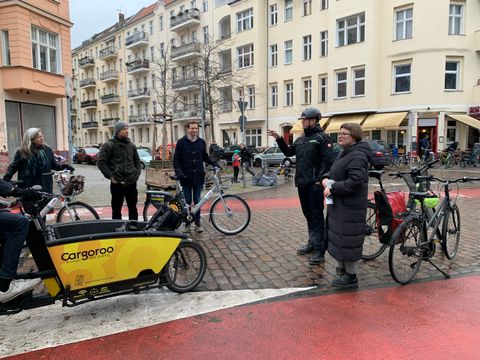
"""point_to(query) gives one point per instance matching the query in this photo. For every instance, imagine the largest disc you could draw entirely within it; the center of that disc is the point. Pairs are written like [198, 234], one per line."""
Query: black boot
[340, 270]
[346, 281]
[305, 249]
[317, 258]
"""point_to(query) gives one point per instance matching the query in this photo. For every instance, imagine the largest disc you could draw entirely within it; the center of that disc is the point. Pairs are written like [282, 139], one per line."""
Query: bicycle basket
[74, 184]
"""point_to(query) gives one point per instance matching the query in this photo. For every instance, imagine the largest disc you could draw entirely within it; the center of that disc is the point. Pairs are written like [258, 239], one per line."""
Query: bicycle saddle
[377, 174]
[420, 195]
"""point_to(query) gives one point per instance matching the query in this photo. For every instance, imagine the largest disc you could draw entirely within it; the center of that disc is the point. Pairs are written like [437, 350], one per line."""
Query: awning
[337, 121]
[467, 120]
[384, 121]
[298, 128]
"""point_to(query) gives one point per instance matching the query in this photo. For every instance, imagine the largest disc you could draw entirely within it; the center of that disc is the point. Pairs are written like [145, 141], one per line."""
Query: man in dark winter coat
[119, 162]
[347, 184]
[314, 156]
[190, 154]
[246, 159]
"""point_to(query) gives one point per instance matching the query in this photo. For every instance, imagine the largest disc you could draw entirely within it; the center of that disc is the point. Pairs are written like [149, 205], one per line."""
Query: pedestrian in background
[34, 161]
[349, 192]
[236, 164]
[190, 154]
[119, 162]
[314, 157]
[247, 159]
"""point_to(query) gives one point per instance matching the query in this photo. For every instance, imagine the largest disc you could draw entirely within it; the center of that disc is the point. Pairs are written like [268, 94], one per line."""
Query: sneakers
[18, 287]
[305, 249]
[198, 228]
[317, 258]
[346, 281]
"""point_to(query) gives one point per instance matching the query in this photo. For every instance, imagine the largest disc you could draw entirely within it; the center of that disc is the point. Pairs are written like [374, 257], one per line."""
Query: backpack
[389, 206]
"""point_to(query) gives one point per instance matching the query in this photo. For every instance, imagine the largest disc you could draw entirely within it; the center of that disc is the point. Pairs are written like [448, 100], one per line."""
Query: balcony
[190, 113]
[139, 94]
[110, 99]
[136, 40]
[108, 53]
[90, 125]
[183, 20]
[186, 51]
[110, 122]
[185, 84]
[138, 66]
[110, 75]
[87, 83]
[138, 119]
[22, 78]
[224, 70]
[86, 62]
[89, 104]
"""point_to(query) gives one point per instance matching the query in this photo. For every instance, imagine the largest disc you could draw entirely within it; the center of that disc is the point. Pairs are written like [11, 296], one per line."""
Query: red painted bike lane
[434, 320]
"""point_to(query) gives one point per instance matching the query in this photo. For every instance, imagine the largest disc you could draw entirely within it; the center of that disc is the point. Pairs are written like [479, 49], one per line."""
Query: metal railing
[138, 92]
[110, 74]
[192, 47]
[186, 16]
[138, 64]
[88, 103]
[110, 98]
[87, 82]
[138, 36]
[109, 51]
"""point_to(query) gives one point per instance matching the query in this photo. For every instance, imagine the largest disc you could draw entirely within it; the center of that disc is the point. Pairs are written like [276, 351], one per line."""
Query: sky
[92, 16]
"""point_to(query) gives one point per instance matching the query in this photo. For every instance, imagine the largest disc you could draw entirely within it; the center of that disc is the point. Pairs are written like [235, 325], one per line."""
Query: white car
[273, 156]
[145, 157]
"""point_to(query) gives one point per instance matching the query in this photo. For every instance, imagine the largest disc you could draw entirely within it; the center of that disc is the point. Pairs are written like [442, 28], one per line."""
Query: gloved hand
[68, 167]
[27, 194]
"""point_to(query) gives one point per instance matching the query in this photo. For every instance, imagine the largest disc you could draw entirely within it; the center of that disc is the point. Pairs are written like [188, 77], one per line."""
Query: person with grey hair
[119, 162]
[34, 161]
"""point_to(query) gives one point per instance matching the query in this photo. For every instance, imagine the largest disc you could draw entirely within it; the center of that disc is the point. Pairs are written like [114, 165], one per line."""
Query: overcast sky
[92, 16]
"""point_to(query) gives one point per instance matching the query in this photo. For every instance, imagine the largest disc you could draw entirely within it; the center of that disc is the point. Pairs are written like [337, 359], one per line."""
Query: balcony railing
[108, 53]
[90, 125]
[138, 39]
[110, 122]
[87, 82]
[138, 65]
[110, 99]
[226, 106]
[135, 119]
[109, 75]
[88, 104]
[185, 83]
[186, 51]
[86, 62]
[135, 93]
[186, 18]
[188, 113]
[225, 70]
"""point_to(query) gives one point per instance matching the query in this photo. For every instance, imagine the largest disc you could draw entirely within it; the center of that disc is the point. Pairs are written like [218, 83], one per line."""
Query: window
[288, 94]
[273, 55]
[288, 51]
[288, 10]
[162, 50]
[273, 95]
[273, 14]
[5, 48]
[402, 73]
[253, 137]
[182, 9]
[404, 24]
[206, 36]
[307, 91]
[205, 5]
[45, 50]
[351, 30]
[455, 19]
[358, 82]
[452, 75]
[150, 26]
[193, 4]
[324, 43]
[245, 56]
[323, 4]
[307, 7]
[119, 41]
[341, 84]
[307, 47]
[323, 83]
[160, 23]
[245, 20]
[152, 53]
[251, 97]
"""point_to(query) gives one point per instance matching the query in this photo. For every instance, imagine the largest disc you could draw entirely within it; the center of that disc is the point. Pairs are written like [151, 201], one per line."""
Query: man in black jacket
[314, 157]
[190, 154]
[247, 158]
[119, 162]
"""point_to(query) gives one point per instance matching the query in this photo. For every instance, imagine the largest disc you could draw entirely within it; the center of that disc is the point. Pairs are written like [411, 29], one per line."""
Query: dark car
[380, 153]
[227, 152]
[87, 154]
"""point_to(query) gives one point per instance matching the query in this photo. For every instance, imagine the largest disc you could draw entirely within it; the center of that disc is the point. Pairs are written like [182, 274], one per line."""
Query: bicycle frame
[432, 219]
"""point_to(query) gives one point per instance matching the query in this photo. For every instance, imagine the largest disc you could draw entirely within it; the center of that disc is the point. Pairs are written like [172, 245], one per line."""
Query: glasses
[344, 134]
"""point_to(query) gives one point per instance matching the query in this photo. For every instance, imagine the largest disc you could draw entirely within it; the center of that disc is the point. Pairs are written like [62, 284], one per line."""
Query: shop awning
[467, 120]
[298, 128]
[337, 121]
[384, 121]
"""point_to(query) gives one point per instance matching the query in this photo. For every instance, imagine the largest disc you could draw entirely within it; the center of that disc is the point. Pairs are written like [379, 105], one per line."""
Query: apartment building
[395, 67]
[35, 73]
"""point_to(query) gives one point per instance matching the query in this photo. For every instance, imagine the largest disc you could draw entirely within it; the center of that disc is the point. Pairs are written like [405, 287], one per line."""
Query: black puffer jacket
[119, 158]
[346, 217]
[314, 155]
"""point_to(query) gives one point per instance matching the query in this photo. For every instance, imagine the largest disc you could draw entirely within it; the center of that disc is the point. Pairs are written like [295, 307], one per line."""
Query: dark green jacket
[119, 158]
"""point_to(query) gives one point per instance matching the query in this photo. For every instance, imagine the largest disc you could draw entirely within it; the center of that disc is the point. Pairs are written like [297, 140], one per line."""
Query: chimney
[121, 18]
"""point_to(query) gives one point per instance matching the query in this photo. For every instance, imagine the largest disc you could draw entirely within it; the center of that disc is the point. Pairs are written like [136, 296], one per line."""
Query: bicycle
[414, 240]
[229, 214]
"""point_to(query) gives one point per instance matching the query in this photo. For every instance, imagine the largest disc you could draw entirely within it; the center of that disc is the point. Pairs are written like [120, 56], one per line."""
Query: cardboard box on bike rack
[160, 177]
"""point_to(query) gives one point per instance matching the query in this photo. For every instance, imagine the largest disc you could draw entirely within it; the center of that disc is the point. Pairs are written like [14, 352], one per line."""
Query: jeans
[311, 200]
[196, 191]
[235, 173]
[13, 230]
[120, 193]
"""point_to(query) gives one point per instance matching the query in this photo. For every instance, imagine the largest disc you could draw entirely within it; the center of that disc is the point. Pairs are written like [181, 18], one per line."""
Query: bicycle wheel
[372, 247]
[405, 256]
[230, 214]
[451, 232]
[77, 211]
[186, 267]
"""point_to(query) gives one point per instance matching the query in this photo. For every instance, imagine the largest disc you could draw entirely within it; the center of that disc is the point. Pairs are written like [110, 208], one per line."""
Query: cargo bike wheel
[186, 268]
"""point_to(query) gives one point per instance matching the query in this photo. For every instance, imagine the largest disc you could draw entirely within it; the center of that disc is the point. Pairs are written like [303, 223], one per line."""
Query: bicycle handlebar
[449, 181]
[414, 170]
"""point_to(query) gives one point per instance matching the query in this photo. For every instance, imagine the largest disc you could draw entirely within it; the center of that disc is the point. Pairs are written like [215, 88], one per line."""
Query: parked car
[381, 153]
[87, 154]
[273, 156]
[227, 152]
[145, 157]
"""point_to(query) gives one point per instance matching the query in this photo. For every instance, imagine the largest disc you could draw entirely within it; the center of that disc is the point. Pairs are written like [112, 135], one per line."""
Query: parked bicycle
[470, 160]
[415, 239]
[229, 214]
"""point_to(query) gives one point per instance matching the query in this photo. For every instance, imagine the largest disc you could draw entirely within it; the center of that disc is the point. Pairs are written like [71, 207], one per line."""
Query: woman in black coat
[347, 186]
